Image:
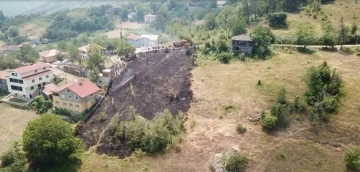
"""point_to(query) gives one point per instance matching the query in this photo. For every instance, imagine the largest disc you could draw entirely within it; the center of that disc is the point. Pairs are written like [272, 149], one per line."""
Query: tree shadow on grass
[305, 50]
[73, 164]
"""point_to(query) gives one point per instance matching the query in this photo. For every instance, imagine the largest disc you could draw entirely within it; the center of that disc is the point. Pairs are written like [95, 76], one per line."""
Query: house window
[13, 87]
[71, 105]
[47, 76]
[68, 90]
[57, 102]
[40, 79]
[32, 88]
[64, 103]
[33, 80]
[76, 98]
[70, 97]
[77, 106]
[35, 71]
[14, 74]
[44, 68]
[62, 96]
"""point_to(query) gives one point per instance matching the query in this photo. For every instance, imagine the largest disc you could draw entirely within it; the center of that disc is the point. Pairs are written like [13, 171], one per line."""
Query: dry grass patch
[12, 124]
[348, 9]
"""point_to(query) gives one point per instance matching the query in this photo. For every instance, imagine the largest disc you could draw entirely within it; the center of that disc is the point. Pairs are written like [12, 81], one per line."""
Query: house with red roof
[27, 81]
[76, 97]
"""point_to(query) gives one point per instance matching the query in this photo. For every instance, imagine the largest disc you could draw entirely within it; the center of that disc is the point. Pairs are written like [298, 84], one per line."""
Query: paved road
[311, 46]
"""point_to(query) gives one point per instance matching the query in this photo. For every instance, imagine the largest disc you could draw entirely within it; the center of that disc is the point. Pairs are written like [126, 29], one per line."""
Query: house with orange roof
[27, 81]
[76, 97]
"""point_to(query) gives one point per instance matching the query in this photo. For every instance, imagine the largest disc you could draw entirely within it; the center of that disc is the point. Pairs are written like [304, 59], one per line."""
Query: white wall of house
[29, 85]
[143, 42]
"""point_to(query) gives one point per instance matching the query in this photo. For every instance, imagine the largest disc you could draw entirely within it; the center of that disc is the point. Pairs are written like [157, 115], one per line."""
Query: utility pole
[342, 32]
[121, 33]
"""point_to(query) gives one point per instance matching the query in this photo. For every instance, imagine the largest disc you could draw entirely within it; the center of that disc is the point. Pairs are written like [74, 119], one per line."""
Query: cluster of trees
[8, 62]
[14, 59]
[150, 136]
[324, 90]
[64, 27]
[47, 142]
[41, 105]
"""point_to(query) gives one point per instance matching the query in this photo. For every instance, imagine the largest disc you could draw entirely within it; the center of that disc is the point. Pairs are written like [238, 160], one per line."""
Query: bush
[269, 122]
[224, 57]
[74, 117]
[236, 162]
[352, 158]
[7, 159]
[240, 129]
[276, 19]
[150, 136]
[281, 98]
[281, 112]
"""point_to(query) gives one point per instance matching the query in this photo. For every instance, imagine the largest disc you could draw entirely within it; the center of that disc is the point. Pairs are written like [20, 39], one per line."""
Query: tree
[139, 15]
[263, 37]
[13, 160]
[49, 139]
[305, 35]
[12, 31]
[277, 19]
[74, 53]
[329, 35]
[269, 122]
[239, 26]
[352, 158]
[162, 19]
[62, 45]
[26, 54]
[210, 22]
[342, 33]
[2, 19]
[125, 48]
[41, 105]
[95, 60]
[282, 96]
[8, 62]
[94, 75]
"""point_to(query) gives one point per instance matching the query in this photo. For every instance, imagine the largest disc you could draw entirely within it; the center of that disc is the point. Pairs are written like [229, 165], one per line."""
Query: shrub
[352, 158]
[281, 112]
[8, 158]
[330, 104]
[259, 82]
[269, 122]
[236, 162]
[240, 129]
[150, 136]
[281, 98]
[276, 19]
[224, 57]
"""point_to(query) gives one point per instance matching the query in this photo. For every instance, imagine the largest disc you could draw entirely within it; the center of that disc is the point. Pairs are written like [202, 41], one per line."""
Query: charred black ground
[150, 83]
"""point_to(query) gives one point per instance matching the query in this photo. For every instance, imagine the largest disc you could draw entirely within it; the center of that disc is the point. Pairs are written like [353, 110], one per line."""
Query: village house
[49, 56]
[3, 78]
[27, 43]
[221, 3]
[75, 97]
[138, 41]
[243, 44]
[104, 78]
[150, 18]
[84, 50]
[34, 39]
[153, 39]
[9, 48]
[26, 81]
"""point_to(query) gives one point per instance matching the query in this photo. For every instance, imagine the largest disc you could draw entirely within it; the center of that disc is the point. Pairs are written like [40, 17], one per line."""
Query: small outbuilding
[243, 44]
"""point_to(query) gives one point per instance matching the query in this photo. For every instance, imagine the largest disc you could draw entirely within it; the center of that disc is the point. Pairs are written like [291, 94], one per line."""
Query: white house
[150, 18]
[153, 39]
[27, 80]
[34, 39]
[220, 3]
[138, 41]
[104, 78]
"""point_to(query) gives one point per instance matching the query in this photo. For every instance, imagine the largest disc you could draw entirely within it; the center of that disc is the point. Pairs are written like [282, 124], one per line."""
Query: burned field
[150, 83]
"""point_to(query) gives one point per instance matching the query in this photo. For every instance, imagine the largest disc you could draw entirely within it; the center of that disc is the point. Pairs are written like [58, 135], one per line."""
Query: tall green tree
[74, 53]
[329, 34]
[124, 48]
[49, 139]
[305, 35]
[2, 19]
[162, 19]
[210, 22]
[263, 37]
[95, 60]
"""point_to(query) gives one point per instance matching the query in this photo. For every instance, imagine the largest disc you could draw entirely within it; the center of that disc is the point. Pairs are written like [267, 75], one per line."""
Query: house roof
[151, 37]
[49, 88]
[82, 88]
[36, 75]
[26, 43]
[26, 69]
[4, 74]
[134, 37]
[9, 47]
[87, 47]
[49, 53]
[242, 37]
[150, 15]
[33, 37]
[221, 2]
